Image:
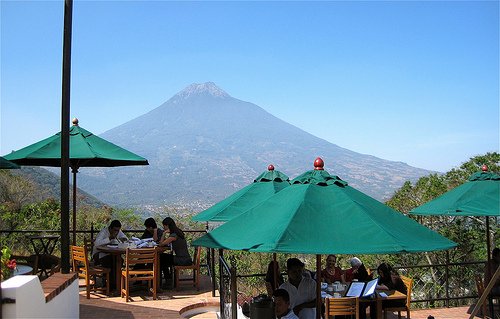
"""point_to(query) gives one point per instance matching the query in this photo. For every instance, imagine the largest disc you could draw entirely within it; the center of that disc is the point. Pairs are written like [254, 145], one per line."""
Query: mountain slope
[203, 144]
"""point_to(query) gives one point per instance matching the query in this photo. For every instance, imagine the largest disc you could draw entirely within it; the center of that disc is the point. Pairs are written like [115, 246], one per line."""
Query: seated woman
[388, 279]
[356, 272]
[332, 272]
[174, 236]
[272, 279]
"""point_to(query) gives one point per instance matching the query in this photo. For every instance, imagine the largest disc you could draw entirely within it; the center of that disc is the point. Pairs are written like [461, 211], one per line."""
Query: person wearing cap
[356, 272]
[302, 290]
[282, 305]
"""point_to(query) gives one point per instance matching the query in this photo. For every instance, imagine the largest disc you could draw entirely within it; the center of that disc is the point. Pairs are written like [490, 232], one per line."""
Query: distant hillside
[203, 144]
[49, 186]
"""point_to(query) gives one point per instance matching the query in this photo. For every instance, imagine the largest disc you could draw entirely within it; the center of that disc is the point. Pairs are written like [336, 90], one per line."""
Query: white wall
[30, 300]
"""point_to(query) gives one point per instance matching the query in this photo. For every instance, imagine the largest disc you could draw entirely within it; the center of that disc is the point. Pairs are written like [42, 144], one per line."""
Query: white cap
[355, 262]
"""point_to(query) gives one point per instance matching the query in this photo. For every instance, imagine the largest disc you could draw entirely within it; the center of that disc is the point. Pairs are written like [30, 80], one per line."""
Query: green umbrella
[321, 214]
[264, 186]
[479, 196]
[5, 164]
[85, 150]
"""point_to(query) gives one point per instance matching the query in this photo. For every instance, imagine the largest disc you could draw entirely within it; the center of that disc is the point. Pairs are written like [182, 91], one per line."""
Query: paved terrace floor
[170, 302]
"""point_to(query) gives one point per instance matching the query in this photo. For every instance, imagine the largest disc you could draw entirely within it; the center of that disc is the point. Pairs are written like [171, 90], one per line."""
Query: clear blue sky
[416, 82]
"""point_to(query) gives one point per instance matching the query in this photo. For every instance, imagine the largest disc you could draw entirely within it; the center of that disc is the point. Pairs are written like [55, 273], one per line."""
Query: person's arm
[155, 234]
[102, 238]
[121, 236]
[167, 240]
[310, 304]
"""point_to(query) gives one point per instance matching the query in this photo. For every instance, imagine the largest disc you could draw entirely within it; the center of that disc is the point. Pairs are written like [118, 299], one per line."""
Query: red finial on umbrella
[484, 168]
[75, 121]
[318, 164]
[270, 167]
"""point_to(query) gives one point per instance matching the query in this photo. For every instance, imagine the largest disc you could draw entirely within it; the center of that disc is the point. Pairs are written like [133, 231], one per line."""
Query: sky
[409, 81]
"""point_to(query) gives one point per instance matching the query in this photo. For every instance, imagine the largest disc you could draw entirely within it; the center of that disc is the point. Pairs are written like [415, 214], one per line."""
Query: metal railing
[435, 285]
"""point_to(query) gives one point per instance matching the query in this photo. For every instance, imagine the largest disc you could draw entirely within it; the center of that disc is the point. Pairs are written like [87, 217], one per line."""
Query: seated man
[302, 290]
[282, 305]
[152, 230]
[107, 235]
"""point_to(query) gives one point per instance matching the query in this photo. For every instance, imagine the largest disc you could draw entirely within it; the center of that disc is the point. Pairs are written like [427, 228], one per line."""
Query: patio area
[171, 302]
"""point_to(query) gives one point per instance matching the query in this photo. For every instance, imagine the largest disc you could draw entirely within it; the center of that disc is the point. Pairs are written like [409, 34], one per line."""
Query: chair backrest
[197, 256]
[89, 245]
[479, 284]
[79, 257]
[342, 306]
[409, 285]
[135, 256]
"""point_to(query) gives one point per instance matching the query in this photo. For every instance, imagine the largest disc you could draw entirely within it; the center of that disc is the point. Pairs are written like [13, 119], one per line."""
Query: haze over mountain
[203, 144]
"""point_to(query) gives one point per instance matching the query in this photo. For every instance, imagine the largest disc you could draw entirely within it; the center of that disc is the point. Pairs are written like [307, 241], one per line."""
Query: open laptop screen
[370, 287]
[355, 289]
[361, 289]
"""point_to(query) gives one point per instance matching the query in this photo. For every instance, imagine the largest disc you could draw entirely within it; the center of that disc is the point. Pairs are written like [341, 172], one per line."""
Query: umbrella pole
[275, 272]
[65, 110]
[318, 287]
[74, 171]
[488, 244]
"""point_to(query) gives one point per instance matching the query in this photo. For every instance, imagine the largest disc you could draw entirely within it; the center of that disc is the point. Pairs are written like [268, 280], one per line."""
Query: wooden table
[391, 295]
[115, 252]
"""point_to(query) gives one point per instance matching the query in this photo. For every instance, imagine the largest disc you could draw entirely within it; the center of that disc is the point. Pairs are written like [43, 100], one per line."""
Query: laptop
[361, 289]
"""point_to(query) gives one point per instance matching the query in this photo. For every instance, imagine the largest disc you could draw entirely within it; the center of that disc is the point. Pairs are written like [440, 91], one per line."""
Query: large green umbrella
[85, 150]
[5, 164]
[479, 196]
[264, 186]
[321, 214]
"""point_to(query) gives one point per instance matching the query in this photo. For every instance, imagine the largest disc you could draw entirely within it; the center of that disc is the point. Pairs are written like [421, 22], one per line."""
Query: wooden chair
[139, 256]
[348, 306]
[409, 284]
[89, 244]
[81, 265]
[195, 267]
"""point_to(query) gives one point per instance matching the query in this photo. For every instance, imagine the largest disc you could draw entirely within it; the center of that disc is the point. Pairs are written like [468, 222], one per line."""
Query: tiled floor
[170, 303]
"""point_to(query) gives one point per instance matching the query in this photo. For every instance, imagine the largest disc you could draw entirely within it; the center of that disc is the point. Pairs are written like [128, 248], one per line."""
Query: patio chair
[89, 245]
[348, 306]
[195, 267]
[81, 265]
[130, 274]
[409, 284]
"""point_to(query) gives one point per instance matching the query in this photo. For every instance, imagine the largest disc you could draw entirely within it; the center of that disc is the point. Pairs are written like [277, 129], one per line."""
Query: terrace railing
[435, 285]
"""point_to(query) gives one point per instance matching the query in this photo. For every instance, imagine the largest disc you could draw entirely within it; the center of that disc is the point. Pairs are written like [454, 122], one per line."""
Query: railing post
[221, 286]
[447, 272]
[212, 265]
[92, 232]
[234, 290]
